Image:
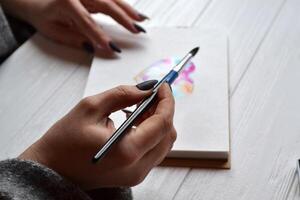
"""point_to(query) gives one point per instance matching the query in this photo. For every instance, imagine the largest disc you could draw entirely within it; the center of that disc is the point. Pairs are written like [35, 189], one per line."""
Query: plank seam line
[168, 13]
[201, 13]
[43, 104]
[291, 181]
[259, 46]
[136, 3]
[181, 184]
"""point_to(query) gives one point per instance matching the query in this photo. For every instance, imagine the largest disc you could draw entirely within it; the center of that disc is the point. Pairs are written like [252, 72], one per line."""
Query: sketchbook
[201, 91]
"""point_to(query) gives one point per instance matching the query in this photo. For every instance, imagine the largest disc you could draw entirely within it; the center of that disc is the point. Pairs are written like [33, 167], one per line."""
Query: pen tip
[194, 51]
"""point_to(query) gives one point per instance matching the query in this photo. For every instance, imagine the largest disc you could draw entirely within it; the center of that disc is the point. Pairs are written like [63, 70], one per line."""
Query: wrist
[35, 153]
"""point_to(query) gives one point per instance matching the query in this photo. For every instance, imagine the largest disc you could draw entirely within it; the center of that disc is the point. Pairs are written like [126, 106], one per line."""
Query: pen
[169, 78]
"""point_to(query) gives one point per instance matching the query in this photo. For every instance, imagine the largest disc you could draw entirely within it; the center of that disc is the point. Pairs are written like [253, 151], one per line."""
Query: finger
[64, 35]
[165, 102]
[117, 98]
[148, 134]
[156, 155]
[152, 130]
[131, 11]
[87, 26]
[149, 112]
[118, 14]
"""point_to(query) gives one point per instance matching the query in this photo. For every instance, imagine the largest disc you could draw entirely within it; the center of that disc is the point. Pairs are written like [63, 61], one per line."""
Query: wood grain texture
[247, 23]
[177, 13]
[28, 79]
[241, 19]
[266, 130]
[42, 81]
[167, 13]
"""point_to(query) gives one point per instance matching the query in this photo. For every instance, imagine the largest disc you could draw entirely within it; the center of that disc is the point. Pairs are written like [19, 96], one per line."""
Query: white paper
[202, 118]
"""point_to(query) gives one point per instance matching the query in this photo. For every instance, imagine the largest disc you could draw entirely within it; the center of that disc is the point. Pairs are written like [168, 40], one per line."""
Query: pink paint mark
[182, 86]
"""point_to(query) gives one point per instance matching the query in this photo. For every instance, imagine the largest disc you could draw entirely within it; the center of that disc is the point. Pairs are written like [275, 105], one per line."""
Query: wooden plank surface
[266, 130]
[234, 17]
[27, 80]
[38, 86]
[247, 23]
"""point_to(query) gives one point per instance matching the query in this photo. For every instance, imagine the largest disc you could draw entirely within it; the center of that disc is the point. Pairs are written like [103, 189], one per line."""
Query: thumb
[122, 97]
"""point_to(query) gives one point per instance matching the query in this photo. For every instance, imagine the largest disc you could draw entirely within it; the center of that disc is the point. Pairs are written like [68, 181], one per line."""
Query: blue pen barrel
[171, 77]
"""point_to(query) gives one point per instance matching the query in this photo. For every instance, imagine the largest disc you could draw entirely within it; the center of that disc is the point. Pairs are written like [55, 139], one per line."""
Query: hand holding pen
[145, 105]
[69, 145]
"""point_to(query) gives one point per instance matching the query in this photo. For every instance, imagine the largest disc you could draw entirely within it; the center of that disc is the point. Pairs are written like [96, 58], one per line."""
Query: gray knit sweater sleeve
[7, 40]
[20, 179]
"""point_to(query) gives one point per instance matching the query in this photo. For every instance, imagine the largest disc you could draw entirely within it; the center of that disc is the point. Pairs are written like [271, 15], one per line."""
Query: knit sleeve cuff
[24, 179]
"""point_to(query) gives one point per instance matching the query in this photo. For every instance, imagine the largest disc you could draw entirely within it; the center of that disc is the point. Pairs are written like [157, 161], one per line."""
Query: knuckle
[127, 159]
[87, 18]
[172, 101]
[88, 103]
[107, 4]
[121, 91]
[173, 136]
[166, 124]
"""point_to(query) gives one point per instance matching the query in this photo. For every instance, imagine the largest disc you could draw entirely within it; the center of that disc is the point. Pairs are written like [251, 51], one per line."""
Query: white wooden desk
[42, 81]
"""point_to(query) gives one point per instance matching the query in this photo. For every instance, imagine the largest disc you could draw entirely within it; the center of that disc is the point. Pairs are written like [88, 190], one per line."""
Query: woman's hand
[69, 21]
[69, 146]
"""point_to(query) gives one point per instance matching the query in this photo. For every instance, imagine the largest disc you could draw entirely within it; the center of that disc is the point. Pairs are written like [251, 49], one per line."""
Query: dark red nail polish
[146, 85]
[143, 17]
[139, 28]
[114, 47]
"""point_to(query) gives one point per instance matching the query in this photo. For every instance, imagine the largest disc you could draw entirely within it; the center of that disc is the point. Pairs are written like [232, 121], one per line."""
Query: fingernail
[114, 47]
[143, 17]
[147, 85]
[170, 87]
[88, 47]
[126, 111]
[139, 28]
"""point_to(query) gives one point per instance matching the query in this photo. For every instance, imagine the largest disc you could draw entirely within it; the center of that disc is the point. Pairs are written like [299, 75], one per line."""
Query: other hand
[69, 21]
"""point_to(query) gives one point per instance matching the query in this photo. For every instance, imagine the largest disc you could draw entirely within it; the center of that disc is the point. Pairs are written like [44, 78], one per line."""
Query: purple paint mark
[182, 86]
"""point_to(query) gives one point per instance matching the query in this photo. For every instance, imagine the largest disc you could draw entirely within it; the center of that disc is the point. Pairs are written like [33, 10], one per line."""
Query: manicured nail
[143, 17]
[147, 85]
[114, 47]
[139, 28]
[88, 47]
[126, 111]
[170, 87]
